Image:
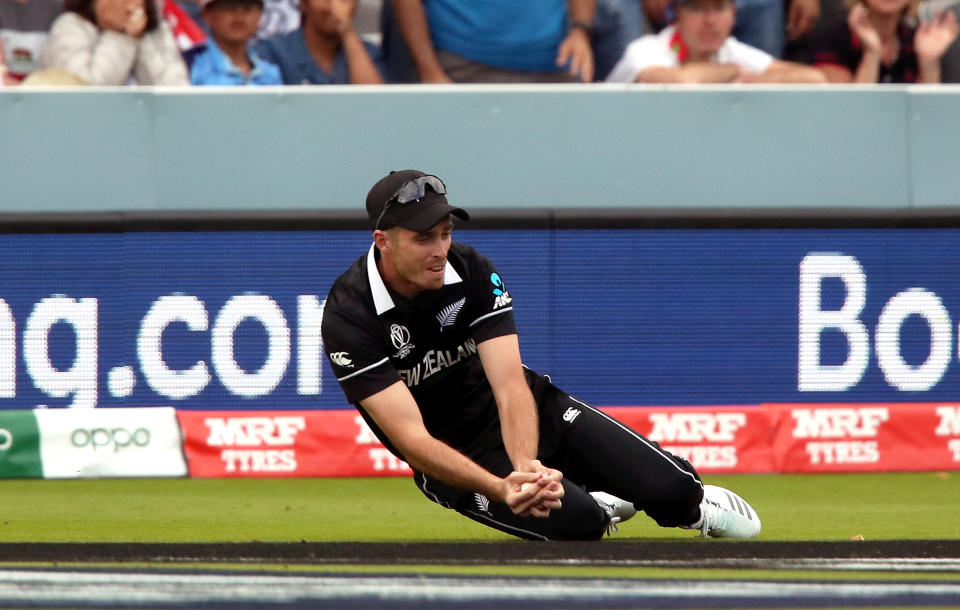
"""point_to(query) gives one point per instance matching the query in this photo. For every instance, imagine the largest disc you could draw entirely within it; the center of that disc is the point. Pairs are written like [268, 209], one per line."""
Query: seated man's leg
[603, 454]
[580, 518]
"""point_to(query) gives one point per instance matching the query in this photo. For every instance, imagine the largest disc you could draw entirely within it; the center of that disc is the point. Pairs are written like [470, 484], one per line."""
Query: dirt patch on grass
[393, 553]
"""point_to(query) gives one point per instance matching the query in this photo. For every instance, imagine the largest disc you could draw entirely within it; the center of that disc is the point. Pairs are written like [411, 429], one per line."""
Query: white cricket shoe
[726, 515]
[619, 510]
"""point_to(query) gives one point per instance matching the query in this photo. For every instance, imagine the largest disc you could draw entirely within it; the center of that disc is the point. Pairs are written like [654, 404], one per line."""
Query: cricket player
[421, 336]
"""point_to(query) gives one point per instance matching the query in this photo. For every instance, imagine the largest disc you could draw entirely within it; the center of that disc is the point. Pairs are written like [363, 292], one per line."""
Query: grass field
[888, 506]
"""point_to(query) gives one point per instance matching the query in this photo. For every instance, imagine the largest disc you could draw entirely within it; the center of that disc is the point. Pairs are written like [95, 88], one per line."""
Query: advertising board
[230, 320]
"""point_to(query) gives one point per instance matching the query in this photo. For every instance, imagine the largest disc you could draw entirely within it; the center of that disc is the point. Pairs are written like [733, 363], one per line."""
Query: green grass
[792, 507]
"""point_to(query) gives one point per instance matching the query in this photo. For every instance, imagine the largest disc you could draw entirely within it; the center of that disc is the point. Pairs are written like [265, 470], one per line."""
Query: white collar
[381, 296]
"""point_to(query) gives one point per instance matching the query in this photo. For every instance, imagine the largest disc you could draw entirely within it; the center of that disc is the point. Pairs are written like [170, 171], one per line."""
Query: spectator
[5, 77]
[23, 30]
[699, 48]
[227, 58]
[114, 42]
[617, 24]
[326, 50]
[876, 43]
[764, 24]
[498, 41]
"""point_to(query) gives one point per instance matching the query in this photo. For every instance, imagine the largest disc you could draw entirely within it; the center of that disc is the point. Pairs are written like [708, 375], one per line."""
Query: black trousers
[595, 453]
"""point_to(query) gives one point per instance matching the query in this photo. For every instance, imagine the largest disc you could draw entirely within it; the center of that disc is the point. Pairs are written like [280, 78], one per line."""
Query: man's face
[705, 24]
[233, 21]
[412, 261]
[328, 16]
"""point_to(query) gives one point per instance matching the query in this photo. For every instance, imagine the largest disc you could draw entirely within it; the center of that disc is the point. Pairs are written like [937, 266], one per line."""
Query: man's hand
[342, 12]
[551, 480]
[576, 49]
[533, 493]
[801, 17]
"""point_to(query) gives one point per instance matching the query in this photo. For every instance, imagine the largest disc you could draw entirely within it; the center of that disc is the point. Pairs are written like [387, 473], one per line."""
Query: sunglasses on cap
[413, 190]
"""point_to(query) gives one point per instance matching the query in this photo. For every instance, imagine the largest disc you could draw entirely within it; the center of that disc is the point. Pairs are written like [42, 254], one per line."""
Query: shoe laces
[711, 516]
[611, 526]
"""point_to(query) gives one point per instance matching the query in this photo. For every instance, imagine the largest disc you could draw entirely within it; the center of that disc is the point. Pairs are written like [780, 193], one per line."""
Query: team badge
[502, 297]
[448, 315]
[341, 359]
[400, 337]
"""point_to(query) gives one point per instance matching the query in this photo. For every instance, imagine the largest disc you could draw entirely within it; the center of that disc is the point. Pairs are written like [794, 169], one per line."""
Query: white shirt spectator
[664, 50]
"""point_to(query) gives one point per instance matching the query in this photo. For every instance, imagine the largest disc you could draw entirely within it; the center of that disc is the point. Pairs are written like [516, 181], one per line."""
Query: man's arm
[802, 15]
[575, 48]
[360, 66]
[694, 72]
[519, 421]
[787, 72]
[412, 21]
[5, 78]
[518, 412]
[396, 413]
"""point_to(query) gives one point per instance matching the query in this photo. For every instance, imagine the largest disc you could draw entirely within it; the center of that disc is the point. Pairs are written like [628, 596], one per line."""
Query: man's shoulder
[351, 286]
[648, 45]
[210, 66]
[281, 43]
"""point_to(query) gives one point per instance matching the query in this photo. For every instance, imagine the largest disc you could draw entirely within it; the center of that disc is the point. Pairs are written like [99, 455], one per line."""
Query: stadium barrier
[788, 438]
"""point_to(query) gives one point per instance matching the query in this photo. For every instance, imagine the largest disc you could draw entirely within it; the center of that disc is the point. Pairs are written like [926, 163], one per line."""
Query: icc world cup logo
[399, 336]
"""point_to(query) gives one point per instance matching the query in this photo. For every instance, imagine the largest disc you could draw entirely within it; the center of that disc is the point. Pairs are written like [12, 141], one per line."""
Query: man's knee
[581, 522]
[677, 503]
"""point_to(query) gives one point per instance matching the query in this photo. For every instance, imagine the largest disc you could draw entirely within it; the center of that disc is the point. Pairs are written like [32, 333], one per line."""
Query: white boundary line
[133, 589]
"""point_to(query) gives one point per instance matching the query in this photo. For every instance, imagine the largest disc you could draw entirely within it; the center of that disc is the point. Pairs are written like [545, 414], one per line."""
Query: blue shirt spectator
[289, 51]
[211, 67]
[498, 41]
[326, 50]
[228, 58]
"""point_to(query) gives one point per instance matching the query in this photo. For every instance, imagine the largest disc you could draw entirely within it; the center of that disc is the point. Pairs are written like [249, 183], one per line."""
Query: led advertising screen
[231, 320]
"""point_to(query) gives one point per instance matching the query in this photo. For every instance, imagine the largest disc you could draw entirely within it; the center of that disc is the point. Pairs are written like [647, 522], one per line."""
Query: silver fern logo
[448, 315]
[483, 503]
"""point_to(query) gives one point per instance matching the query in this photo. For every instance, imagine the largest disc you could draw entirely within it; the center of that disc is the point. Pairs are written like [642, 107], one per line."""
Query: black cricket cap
[418, 215]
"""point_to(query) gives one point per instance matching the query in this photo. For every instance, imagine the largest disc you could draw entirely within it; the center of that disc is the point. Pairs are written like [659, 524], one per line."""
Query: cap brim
[432, 214]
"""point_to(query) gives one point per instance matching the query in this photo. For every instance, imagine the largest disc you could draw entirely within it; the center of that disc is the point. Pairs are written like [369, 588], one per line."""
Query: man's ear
[380, 239]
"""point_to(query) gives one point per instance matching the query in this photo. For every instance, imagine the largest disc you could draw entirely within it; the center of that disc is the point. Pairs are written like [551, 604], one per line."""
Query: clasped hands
[533, 490]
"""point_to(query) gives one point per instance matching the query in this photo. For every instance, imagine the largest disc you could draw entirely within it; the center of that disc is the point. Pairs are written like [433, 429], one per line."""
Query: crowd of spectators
[291, 42]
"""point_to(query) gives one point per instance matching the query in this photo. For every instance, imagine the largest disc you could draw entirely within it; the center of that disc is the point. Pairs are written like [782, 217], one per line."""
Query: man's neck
[237, 52]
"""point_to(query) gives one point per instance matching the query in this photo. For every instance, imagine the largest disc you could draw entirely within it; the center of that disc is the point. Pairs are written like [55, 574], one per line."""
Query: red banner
[867, 437]
[284, 444]
[714, 439]
[812, 437]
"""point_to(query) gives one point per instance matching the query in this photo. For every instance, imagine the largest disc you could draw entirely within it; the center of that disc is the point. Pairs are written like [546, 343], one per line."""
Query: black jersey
[374, 337]
[836, 44]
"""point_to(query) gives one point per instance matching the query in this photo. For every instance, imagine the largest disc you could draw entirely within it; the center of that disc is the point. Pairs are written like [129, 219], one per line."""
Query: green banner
[19, 446]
